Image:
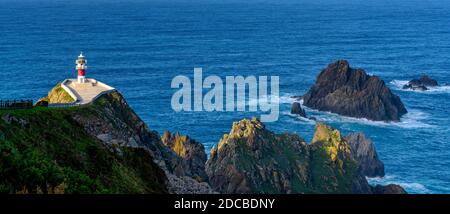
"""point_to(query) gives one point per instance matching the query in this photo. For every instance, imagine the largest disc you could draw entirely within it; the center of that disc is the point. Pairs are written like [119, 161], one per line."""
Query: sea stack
[351, 92]
[297, 109]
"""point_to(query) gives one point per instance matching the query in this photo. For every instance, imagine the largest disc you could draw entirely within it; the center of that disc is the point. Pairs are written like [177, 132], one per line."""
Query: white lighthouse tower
[81, 68]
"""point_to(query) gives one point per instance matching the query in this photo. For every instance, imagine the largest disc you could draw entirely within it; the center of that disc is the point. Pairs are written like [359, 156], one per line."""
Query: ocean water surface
[139, 46]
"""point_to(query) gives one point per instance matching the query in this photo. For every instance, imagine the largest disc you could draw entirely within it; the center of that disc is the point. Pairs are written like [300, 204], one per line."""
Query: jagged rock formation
[421, 84]
[190, 150]
[252, 159]
[297, 109]
[364, 152]
[351, 92]
[57, 95]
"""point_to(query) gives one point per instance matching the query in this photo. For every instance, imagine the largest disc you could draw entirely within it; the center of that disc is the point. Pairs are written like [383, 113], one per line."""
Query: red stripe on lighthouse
[81, 72]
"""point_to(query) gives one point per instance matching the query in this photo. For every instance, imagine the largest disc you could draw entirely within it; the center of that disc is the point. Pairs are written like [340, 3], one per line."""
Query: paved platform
[86, 92]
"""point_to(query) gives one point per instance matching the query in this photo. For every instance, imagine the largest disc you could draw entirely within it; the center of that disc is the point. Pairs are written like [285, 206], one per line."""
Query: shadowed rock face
[252, 159]
[297, 109]
[190, 150]
[351, 92]
[427, 81]
[364, 152]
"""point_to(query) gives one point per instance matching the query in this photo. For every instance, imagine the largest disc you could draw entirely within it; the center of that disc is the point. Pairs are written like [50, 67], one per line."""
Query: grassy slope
[51, 153]
[58, 95]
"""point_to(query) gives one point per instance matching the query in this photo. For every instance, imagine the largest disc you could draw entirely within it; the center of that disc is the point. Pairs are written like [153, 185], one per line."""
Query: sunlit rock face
[252, 159]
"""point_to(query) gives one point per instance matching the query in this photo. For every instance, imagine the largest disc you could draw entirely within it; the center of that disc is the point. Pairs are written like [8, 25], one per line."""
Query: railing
[62, 105]
[16, 104]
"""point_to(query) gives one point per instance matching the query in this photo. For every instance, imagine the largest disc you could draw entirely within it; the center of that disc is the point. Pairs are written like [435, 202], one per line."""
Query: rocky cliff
[100, 147]
[46, 150]
[351, 92]
[113, 122]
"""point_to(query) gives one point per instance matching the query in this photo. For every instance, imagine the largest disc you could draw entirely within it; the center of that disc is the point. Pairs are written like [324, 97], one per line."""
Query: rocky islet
[352, 92]
[421, 84]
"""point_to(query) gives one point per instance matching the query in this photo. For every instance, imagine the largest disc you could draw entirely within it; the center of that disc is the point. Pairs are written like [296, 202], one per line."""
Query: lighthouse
[81, 68]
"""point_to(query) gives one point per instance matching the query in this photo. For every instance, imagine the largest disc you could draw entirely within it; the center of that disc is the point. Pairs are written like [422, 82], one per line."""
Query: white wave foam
[398, 84]
[300, 118]
[286, 98]
[283, 99]
[411, 120]
[410, 187]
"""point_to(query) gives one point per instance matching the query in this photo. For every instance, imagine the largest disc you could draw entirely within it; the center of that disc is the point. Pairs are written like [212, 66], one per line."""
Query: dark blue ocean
[139, 46]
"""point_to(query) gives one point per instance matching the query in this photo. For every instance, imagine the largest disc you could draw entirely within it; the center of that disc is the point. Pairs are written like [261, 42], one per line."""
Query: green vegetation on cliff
[58, 95]
[333, 168]
[44, 150]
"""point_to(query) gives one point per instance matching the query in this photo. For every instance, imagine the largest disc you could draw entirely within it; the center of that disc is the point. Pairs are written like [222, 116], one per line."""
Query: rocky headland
[46, 150]
[351, 92]
[99, 147]
[104, 147]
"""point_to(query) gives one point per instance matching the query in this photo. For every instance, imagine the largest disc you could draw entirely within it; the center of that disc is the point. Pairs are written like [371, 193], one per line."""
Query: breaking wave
[410, 187]
[298, 118]
[398, 84]
[282, 99]
[413, 119]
